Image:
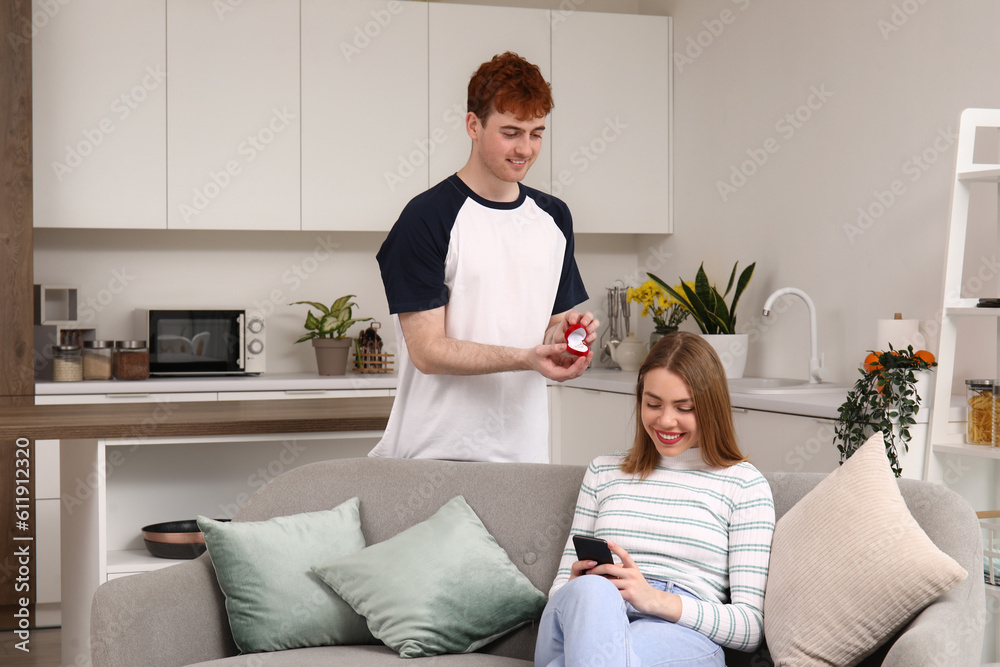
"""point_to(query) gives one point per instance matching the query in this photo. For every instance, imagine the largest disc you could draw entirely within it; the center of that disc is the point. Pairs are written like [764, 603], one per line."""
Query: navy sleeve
[412, 258]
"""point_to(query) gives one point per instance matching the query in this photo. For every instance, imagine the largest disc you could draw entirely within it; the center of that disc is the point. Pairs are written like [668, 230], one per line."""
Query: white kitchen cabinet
[134, 396]
[47, 566]
[807, 444]
[611, 150]
[292, 394]
[99, 113]
[365, 143]
[778, 442]
[462, 37]
[233, 116]
[758, 438]
[586, 423]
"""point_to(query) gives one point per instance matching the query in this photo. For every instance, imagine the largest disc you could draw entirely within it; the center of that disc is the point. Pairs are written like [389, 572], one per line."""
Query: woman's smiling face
[668, 412]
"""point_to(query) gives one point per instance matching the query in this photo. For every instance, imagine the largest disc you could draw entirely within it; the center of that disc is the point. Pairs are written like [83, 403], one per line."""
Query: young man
[480, 275]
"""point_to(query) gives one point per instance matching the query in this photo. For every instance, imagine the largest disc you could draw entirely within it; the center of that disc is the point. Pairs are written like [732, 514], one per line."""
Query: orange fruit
[871, 363]
[924, 356]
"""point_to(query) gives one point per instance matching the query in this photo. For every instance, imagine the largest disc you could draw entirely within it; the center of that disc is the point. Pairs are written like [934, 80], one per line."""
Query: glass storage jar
[996, 413]
[979, 395]
[67, 364]
[97, 360]
[131, 360]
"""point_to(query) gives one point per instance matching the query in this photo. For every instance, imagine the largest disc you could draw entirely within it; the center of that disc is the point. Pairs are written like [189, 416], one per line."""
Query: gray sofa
[176, 615]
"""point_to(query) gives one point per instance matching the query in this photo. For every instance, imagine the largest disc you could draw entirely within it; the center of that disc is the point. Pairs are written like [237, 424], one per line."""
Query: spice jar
[979, 394]
[67, 365]
[96, 360]
[131, 360]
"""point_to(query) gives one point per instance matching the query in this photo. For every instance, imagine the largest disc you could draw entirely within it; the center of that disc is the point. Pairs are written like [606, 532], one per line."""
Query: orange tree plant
[884, 397]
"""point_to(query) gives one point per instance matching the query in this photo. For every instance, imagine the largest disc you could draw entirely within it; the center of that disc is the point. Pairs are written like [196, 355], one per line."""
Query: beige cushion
[849, 567]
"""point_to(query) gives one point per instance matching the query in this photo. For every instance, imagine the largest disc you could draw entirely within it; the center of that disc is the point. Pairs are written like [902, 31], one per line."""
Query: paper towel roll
[900, 333]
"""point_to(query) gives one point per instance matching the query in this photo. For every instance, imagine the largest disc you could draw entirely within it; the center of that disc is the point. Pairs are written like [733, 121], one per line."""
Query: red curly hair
[508, 82]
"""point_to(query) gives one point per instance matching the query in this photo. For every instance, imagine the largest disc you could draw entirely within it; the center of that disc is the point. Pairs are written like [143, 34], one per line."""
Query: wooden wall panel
[17, 382]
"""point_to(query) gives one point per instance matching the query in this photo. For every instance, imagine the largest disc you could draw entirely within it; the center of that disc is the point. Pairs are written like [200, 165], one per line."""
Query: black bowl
[175, 539]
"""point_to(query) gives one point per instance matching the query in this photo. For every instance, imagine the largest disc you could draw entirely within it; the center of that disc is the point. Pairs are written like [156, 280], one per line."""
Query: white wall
[890, 86]
[119, 271]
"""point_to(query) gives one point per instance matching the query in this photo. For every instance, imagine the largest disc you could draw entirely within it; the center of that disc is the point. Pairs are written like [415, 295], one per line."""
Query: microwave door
[241, 361]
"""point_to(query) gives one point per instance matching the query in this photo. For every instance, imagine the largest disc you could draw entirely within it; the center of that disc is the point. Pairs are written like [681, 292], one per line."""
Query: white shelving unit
[955, 308]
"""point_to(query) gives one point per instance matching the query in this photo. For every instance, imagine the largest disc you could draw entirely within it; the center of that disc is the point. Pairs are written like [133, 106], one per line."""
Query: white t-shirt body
[502, 269]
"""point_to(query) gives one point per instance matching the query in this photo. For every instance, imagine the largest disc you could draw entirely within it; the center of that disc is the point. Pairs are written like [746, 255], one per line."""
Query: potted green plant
[884, 398]
[716, 320]
[328, 332]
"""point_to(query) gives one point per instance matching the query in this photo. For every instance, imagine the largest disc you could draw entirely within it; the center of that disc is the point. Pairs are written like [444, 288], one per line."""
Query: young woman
[687, 516]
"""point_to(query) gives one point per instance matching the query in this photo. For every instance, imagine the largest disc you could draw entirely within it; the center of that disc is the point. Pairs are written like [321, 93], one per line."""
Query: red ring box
[575, 340]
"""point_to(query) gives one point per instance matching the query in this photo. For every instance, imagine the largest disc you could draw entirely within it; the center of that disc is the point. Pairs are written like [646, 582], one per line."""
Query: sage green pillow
[273, 600]
[441, 586]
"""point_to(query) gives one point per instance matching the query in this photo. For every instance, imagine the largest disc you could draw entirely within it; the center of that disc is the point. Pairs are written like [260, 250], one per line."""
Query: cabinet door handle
[127, 395]
[302, 392]
[739, 411]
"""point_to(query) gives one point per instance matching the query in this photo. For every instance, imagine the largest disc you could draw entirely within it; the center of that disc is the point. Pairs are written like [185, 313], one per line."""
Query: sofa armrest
[172, 616]
[947, 632]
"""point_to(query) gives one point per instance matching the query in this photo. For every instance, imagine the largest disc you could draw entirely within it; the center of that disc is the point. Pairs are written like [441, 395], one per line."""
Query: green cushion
[441, 586]
[273, 600]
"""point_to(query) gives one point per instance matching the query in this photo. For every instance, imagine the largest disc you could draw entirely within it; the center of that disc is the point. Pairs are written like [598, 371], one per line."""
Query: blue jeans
[588, 624]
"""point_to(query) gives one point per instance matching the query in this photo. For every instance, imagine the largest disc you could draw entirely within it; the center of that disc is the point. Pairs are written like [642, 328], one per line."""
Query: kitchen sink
[781, 386]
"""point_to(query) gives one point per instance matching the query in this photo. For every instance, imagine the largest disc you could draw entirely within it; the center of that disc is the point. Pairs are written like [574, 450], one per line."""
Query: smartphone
[592, 548]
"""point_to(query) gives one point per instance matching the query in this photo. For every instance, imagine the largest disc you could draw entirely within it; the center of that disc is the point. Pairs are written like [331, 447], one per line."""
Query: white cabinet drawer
[74, 399]
[301, 393]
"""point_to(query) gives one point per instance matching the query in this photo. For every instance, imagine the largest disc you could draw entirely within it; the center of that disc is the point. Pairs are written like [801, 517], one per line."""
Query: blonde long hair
[695, 361]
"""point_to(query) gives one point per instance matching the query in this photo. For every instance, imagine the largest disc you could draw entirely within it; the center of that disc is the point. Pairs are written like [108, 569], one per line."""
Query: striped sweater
[705, 529]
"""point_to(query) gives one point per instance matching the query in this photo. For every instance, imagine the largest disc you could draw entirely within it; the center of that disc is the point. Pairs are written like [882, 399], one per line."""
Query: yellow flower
[666, 311]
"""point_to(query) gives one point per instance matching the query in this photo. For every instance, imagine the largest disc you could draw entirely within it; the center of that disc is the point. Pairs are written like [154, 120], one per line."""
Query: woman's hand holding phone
[595, 557]
[590, 552]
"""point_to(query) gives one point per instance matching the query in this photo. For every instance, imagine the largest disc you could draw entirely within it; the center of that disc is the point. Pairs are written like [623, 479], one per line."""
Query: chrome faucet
[816, 370]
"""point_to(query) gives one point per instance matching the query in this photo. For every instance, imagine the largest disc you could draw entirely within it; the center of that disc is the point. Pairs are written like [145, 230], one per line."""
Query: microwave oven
[203, 341]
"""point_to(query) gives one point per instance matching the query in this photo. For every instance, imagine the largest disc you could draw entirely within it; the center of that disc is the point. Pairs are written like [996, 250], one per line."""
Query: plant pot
[332, 354]
[924, 387]
[732, 350]
[657, 334]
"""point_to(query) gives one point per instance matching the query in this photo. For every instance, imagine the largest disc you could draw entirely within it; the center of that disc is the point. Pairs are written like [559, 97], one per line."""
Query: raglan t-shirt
[502, 269]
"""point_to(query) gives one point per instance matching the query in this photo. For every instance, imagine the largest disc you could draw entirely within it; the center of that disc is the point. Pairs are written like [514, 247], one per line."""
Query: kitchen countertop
[820, 404]
[219, 383]
[138, 420]
[811, 405]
